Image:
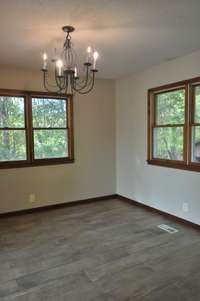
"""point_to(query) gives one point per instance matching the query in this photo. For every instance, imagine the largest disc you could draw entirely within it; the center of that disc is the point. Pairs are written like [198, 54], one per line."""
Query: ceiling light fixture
[66, 77]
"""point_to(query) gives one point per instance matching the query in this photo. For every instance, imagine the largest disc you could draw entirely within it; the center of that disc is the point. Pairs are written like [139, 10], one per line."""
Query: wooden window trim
[187, 163]
[30, 161]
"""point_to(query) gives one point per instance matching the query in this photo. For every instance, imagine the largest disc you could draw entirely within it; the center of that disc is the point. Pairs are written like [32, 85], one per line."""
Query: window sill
[176, 165]
[42, 162]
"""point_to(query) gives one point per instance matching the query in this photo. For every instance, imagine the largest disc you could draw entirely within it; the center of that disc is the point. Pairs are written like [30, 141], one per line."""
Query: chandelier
[65, 76]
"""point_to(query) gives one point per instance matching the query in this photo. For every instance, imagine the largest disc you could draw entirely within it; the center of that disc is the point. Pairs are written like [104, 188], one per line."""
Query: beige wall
[162, 188]
[92, 174]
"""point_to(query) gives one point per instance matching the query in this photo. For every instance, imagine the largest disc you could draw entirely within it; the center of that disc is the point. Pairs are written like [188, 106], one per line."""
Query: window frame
[189, 86]
[29, 130]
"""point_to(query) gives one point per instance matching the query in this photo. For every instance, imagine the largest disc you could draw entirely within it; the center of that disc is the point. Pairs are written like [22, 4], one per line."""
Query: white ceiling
[130, 35]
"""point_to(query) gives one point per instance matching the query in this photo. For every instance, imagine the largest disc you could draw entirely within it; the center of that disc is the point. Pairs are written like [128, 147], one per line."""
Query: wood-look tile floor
[103, 251]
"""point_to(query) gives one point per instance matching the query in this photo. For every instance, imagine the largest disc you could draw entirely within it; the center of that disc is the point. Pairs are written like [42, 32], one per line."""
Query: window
[174, 125]
[35, 129]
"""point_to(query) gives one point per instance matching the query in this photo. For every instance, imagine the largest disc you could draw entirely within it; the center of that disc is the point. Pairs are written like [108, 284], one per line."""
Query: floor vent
[168, 228]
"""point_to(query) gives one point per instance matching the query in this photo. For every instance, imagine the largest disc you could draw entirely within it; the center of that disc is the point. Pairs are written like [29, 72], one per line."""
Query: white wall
[159, 187]
[92, 174]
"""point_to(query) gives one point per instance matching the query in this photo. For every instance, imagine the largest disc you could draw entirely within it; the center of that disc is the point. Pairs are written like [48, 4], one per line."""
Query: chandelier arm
[45, 78]
[90, 88]
[85, 82]
[80, 81]
[51, 85]
[47, 85]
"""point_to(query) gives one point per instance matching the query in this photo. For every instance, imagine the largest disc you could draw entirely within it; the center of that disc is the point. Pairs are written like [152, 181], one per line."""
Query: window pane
[197, 104]
[50, 144]
[11, 112]
[168, 143]
[196, 144]
[48, 112]
[170, 107]
[12, 145]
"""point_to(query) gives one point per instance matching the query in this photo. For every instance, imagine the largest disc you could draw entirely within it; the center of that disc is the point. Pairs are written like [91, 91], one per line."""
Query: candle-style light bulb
[44, 61]
[95, 57]
[44, 56]
[89, 50]
[75, 72]
[59, 64]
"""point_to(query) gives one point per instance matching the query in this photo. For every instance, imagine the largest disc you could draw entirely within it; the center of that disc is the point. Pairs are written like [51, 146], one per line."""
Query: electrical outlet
[185, 207]
[32, 198]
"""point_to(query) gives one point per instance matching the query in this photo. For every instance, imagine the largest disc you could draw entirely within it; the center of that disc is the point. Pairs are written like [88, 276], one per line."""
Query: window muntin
[12, 129]
[38, 126]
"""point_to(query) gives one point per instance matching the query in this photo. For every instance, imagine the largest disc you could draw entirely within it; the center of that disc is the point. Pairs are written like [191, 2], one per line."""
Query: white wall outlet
[185, 207]
[32, 198]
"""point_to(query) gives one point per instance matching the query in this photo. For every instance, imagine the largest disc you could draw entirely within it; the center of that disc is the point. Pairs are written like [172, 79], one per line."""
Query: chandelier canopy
[66, 78]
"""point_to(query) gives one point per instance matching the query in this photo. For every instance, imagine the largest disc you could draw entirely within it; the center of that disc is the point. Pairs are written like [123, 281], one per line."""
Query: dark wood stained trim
[12, 129]
[57, 206]
[169, 88]
[30, 129]
[35, 163]
[162, 163]
[194, 81]
[176, 85]
[40, 94]
[97, 199]
[195, 124]
[149, 143]
[178, 125]
[166, 161]
[50, 128]
[158, 211]
[70, 126]
[187, 125]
